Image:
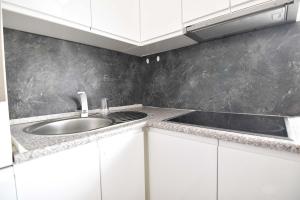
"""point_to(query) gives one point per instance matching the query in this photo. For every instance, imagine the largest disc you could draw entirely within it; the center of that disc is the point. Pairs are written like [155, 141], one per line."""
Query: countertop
[35, 146]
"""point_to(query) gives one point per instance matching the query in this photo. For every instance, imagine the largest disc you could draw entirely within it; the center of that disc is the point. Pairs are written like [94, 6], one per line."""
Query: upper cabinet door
[76, 11]
[117, 17]
[201, 10]
[160, 18]
[241, 4]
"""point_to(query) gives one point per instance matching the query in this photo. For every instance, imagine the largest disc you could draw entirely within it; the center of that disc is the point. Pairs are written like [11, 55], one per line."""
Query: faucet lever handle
[80, 92]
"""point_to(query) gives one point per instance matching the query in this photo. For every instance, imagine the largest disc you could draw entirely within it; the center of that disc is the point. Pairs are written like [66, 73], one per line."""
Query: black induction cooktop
[243, 123]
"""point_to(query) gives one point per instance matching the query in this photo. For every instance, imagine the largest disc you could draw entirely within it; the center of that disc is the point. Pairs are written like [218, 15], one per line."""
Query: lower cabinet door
[122, 166]
[68, 175]
[181, 167]
[7, 184]
[251, 173]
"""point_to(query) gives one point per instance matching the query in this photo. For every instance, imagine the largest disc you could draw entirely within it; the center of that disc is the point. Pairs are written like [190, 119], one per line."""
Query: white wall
[298, 15]
[2, 71]
[2, 90]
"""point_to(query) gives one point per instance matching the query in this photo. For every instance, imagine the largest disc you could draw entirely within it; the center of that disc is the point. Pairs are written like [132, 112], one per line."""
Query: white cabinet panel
[5, 137]
[251, 173]
[241, 4]
[7, 184]
[160, 18]
[161, 46]
[122, 166]
[117, 17]
[298, 15]
[68, 175]
[76, 11]
[2, 84]
[197, 9]
[2, 65]
[181, 167]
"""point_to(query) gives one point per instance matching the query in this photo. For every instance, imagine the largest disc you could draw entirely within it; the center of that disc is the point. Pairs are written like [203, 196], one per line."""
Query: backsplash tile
[256, 72]
[44, 75]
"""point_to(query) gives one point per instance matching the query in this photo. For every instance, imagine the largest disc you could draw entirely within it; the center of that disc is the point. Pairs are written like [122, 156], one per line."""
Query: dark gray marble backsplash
[256, 72]
[44, 75]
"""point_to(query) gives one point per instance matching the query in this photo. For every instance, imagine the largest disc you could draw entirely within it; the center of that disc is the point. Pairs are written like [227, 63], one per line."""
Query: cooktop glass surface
[258, 124]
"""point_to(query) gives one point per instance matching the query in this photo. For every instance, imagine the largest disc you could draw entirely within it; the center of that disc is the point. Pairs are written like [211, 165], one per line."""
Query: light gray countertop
[36, 145]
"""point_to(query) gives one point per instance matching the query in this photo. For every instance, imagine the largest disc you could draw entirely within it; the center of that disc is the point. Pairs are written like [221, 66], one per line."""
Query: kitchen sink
[68, 126]
[83, 124]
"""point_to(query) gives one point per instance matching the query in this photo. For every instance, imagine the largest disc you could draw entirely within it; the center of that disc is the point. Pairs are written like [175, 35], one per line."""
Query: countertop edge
[228, 136]
[156, 120]
[37, 153]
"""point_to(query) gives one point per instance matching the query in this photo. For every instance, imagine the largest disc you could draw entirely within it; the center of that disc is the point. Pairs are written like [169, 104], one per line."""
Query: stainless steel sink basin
[68, 126]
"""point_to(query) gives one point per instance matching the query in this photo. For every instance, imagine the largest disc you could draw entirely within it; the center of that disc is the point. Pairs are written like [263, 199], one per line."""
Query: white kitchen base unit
[68, 175]
[249, 173]
[181, 166]
[7, 184]
[122, 166]
[5, 138]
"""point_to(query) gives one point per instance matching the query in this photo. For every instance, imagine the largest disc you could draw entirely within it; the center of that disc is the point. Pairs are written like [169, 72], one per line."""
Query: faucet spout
[84, 104]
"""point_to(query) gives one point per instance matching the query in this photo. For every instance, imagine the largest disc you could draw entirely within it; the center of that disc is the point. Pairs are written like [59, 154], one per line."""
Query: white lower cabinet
[178, 166]
[5, 137]
[68, 175]
[181, 166]
[122, 166]
[249, 173]
[7, 184]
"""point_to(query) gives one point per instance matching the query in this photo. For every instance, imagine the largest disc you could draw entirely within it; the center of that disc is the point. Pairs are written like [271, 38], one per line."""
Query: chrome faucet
[84, 104]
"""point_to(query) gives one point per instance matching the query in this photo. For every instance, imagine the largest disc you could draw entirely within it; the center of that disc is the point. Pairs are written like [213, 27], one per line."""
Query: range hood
[245, 20]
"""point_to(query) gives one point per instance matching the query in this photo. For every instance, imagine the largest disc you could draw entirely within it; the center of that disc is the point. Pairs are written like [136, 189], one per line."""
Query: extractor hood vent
[242, 22]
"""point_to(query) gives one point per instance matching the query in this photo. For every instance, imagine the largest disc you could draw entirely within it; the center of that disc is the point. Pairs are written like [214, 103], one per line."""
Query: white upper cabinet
[137, 27]
[201, 10]
[160, 19]
[241, 4]
[117, 17]
[75, 11]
